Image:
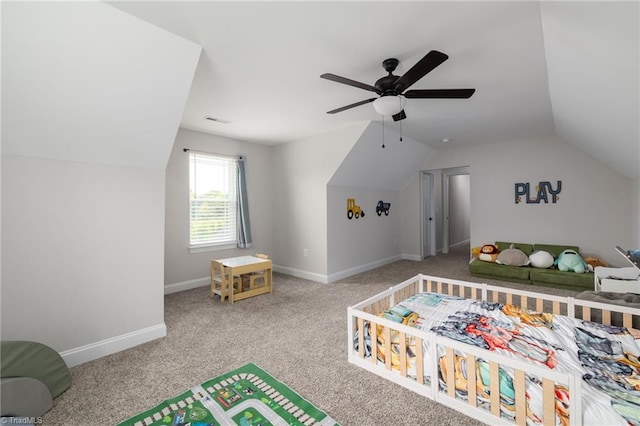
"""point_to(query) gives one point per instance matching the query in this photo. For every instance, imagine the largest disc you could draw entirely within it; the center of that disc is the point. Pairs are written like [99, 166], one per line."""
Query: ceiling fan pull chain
[383, 131]
[401, 131]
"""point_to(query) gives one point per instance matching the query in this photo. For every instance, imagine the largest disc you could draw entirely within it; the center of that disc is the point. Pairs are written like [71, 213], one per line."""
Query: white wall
[183, 269]
[594, 210]
[459, 209]
[302, 170]
[361, 244]
[409, 208]
[635, 212]
[89, 115]
[81, 251]
[371, 173]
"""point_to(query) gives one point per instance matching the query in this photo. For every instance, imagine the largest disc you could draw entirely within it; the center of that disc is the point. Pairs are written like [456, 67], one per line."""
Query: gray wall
[88, 124]
[635, 216]
[594, 211]
[182, 268]
[81, 251]
[459, 209]
[357, 245]
[302, 170]
[371, 173]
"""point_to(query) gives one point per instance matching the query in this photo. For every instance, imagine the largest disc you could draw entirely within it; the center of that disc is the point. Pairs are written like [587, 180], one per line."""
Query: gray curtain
[244, 227]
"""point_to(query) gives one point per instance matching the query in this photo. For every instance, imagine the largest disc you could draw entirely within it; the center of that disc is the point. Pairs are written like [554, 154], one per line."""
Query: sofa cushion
[500, 272]
[555, 249]
[553, 277]
[526, 248]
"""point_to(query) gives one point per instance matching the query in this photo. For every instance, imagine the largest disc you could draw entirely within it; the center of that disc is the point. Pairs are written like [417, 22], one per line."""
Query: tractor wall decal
[353, 210]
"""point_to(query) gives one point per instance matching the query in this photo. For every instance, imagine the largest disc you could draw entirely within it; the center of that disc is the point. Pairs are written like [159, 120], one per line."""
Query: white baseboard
[311, 276]
[187, 285]
[460, 243]
[362, 268]
[415, 257]
[86, 353]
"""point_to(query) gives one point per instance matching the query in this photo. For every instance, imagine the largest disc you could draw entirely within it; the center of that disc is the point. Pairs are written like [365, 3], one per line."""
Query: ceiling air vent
[217, 120]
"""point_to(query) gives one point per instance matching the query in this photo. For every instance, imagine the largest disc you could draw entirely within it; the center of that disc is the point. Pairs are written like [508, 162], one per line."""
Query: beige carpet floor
[298, 334]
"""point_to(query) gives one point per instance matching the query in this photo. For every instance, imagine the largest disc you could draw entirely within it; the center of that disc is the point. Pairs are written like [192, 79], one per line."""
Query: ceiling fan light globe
[389, 105]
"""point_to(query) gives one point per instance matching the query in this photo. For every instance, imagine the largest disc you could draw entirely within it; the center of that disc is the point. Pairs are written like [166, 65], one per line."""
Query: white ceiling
[80, 83]
[569, 68]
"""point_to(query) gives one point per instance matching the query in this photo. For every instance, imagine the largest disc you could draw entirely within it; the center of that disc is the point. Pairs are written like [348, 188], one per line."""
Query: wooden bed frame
[370, 309]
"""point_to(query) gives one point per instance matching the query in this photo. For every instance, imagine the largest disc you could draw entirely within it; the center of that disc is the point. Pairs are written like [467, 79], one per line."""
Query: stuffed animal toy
[541, 259]
[593, 262]
[488, 253]
[570, 260]
[513, 257]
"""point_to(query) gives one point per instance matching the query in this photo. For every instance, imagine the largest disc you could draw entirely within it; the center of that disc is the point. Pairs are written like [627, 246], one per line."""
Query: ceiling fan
[391, 88]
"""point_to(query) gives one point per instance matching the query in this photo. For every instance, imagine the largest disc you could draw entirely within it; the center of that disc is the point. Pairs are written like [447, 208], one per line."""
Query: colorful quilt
[606, 357]
[247, 396]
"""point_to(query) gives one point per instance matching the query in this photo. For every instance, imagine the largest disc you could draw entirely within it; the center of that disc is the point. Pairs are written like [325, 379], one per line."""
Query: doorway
[445, 209]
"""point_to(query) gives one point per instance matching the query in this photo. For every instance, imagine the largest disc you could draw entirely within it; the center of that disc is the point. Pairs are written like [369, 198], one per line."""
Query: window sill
[203, 249]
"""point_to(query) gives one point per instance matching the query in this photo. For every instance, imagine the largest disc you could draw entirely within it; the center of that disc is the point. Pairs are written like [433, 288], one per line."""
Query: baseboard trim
[363, 268]
[299, 273]
[460, 243]
[415, 257]
[311, 276]
[187, 285]
[86, 353]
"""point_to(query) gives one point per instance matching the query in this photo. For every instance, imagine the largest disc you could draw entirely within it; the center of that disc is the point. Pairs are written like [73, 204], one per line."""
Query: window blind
[213, 199]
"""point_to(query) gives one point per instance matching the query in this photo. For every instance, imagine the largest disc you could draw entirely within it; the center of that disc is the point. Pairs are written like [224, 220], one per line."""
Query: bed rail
[443, 354]
[552, 382]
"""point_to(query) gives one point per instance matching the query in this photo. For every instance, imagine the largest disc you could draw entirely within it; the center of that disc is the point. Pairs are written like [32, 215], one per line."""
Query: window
[213, 200]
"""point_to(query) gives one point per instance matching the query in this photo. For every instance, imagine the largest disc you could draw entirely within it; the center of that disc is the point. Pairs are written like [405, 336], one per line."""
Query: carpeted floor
[298, 334]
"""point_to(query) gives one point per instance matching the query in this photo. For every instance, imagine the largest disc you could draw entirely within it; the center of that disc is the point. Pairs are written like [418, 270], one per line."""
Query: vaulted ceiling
[539, 68]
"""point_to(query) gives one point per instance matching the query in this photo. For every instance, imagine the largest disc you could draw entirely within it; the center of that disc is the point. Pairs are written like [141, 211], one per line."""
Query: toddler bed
[501, 355]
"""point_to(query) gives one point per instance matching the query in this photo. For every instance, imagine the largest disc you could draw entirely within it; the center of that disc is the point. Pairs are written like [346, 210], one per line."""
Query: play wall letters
[542, 192]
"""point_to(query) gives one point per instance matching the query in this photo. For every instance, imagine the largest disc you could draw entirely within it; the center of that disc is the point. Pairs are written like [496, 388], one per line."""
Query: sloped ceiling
[83, 81]
[368, 165]
[592, 52]
[539, 68]
[569, 68]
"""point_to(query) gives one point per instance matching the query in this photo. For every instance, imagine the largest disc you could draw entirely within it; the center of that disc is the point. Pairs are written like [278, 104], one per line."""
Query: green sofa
[530, 275]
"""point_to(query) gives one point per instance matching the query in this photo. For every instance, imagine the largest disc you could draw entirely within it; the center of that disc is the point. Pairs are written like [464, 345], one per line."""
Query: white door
[428, 215]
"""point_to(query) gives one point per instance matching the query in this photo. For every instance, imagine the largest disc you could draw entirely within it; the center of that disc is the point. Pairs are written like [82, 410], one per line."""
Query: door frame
[427, 232]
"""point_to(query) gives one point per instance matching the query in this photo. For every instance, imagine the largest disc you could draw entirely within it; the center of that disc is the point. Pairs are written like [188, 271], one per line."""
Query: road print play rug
[247, 396]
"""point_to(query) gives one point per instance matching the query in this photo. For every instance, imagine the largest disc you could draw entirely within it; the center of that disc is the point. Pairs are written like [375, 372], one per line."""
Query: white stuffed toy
[541, 259]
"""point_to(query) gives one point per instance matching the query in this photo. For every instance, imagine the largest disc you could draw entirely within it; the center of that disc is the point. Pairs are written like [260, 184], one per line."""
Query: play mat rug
[247, 396]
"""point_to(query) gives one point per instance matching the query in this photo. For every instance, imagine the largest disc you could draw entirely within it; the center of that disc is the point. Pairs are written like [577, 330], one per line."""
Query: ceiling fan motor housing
[385, 85]
[390, 64]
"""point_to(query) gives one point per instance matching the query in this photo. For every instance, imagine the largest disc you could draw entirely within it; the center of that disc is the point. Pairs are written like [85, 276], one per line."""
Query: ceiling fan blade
[399, 116]
[439, 94]
[424, 66]
[349, 82]
[333, 111]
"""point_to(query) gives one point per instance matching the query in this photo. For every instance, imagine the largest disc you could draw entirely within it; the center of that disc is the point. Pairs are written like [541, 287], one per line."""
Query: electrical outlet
[305, 252]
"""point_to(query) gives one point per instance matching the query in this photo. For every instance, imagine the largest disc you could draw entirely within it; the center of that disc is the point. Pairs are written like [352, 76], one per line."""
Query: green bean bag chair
[31, 375]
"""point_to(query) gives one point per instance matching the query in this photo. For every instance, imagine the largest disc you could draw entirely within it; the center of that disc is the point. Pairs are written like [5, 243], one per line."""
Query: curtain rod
[239, 157]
